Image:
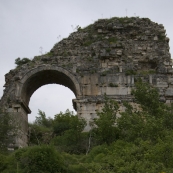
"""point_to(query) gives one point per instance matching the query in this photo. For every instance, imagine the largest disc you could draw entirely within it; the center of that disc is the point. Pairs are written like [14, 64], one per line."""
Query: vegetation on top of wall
[49, 54]
[22, 61]
[161, 38]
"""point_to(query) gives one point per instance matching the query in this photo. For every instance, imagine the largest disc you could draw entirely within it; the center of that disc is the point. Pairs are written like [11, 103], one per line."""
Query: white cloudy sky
[27, 25]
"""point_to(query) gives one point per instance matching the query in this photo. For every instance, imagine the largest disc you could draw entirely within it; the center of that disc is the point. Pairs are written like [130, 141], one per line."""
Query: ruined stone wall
[106, 57]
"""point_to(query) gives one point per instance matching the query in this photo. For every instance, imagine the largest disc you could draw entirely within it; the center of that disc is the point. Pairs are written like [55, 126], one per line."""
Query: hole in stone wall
[147, 65]
[51, 99]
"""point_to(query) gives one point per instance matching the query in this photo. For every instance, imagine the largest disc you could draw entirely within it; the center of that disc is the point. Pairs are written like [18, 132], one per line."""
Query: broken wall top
[132, 46]
[136, 44]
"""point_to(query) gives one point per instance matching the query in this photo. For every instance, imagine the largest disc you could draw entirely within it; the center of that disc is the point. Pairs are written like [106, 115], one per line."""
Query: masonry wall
[106, 57]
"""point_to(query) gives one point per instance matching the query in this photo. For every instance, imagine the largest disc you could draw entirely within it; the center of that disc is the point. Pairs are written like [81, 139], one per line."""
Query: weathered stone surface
[106, 57]
[169, 92]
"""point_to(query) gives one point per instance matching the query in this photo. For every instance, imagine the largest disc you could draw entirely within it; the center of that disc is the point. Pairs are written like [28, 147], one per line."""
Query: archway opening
[43, 77]
[51, 99]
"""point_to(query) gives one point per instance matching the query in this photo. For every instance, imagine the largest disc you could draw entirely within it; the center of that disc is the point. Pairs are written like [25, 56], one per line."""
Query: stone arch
[94, 61]
[43, 75]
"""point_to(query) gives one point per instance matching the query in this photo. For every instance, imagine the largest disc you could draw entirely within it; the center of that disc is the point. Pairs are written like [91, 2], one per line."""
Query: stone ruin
[106, 57]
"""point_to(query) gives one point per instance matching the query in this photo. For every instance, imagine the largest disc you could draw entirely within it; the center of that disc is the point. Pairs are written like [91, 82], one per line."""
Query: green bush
[40, 159]
[22, 61]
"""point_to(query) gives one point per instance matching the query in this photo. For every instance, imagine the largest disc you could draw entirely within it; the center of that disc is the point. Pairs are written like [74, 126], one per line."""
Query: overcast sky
[27, 25]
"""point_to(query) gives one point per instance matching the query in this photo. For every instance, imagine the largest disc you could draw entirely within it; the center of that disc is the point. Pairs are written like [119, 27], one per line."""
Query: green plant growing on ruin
[87, 28]
[152, 71]
[93, 71]
[49, 54]
[161, 38]
[147, 72]
[36, 58]
[108, 50]
[22, 61]
[124, 20]
[103, 73]
[31, 64]
[130, 72]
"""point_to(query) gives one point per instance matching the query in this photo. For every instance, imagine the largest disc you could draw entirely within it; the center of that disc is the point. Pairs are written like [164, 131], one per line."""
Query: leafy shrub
[40, 159]
[22, 61]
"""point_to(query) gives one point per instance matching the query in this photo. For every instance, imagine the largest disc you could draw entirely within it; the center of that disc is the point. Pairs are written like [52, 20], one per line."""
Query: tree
[151, 121]
[22, 61]
[62, 122]
[148, 97]
[41, 120]
[35, 159]
[106, 130]
[40, 132]
[68, 130]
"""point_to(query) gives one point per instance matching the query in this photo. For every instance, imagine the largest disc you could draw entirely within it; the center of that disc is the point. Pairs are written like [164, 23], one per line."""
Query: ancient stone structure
[105, 57]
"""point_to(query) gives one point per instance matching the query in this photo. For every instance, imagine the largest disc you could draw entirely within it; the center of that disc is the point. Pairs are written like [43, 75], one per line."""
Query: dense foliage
[139, 141]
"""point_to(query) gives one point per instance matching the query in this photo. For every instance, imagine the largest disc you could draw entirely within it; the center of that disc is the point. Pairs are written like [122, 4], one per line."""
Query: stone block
[116, 90]
[166, 63]
[112, 52]
[155, 38]
[169, 92]
[86, 80]
[112, 63]
[104, 65]
[143, 53]
[162, 84]
[91, 89]
[119, 52]
[170, 70]
[94, 79]
[113, 45]
[99, 30]
[86, 90]
[170, 80]
[88, 107]
[168, 101]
